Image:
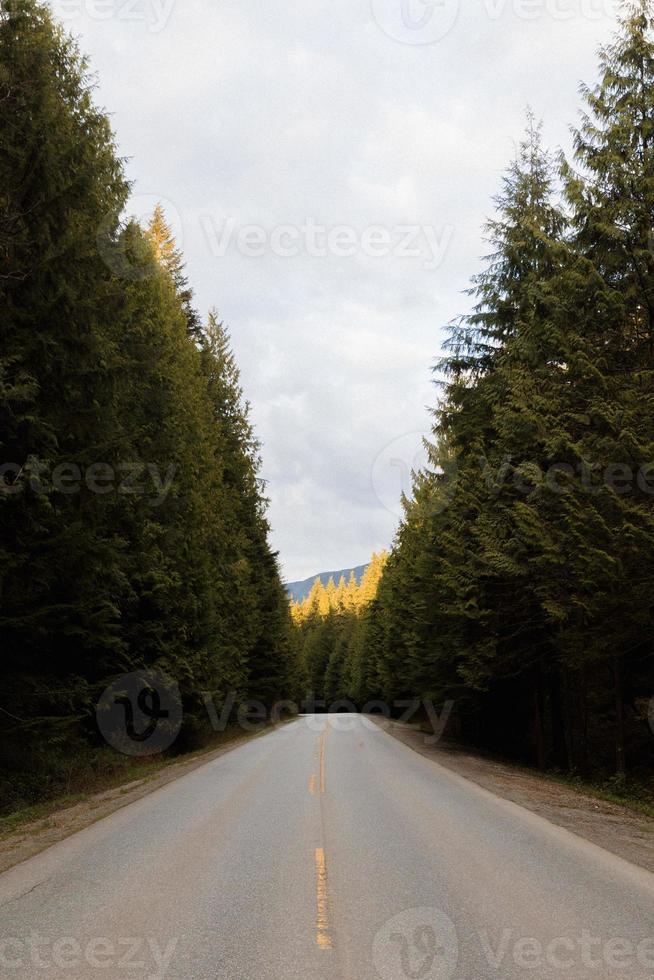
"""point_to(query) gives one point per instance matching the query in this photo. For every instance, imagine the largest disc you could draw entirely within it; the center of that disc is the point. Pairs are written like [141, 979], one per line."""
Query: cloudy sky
[328, 167]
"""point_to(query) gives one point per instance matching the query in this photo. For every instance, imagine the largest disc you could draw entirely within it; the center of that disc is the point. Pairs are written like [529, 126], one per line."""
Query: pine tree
[496, 422]
[260, 606]
[341, 595]
[315, 601]
[170, 259]
[612, 200]
[330, 594]
[526, 223]
[370, 579]
[352, 592]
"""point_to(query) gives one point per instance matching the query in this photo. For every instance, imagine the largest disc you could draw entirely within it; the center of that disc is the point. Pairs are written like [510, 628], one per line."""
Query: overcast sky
[328, 167]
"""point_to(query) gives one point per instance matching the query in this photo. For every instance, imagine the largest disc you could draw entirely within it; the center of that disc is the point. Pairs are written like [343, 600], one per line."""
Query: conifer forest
[134, 522]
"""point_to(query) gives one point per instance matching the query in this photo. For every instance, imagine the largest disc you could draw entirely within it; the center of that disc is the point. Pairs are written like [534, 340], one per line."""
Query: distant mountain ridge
[300, 590]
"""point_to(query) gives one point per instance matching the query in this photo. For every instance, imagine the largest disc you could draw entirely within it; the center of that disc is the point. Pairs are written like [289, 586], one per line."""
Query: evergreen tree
[341, 594]
[352, 592]
[612, 202]
[330, 594]
[171, 261]
[259, 600]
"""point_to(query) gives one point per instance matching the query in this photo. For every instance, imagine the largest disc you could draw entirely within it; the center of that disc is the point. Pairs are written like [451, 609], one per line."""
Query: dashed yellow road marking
[323, 740]
[312, 785]
[323, 938]
[322, 763]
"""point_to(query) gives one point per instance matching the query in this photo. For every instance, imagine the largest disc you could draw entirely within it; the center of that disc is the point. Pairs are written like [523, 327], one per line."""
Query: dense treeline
[521, 583]
[328, 626]
[132, 524]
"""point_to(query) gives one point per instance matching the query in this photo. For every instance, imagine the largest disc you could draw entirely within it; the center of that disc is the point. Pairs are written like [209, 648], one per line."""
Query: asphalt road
[326, 849]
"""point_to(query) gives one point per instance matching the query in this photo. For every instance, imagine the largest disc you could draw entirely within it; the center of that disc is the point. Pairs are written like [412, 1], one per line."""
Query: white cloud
[277, 111]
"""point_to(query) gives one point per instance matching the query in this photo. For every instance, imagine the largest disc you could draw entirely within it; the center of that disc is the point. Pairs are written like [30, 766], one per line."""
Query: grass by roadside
[628, 793]
[113, 774]
[632, 795]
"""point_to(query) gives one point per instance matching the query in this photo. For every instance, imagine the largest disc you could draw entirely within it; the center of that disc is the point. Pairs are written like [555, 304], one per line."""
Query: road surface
[325, 849]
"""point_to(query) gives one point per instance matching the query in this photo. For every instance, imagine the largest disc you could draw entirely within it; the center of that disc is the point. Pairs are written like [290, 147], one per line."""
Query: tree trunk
[557, 716]
[620, 754]
[585, 757]
[539, 734]
[568, 726]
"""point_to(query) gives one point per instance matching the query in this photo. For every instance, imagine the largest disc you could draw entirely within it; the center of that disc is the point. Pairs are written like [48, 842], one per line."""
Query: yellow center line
[323, 938]
[322, 763]
[312, 785]
[323, 739]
